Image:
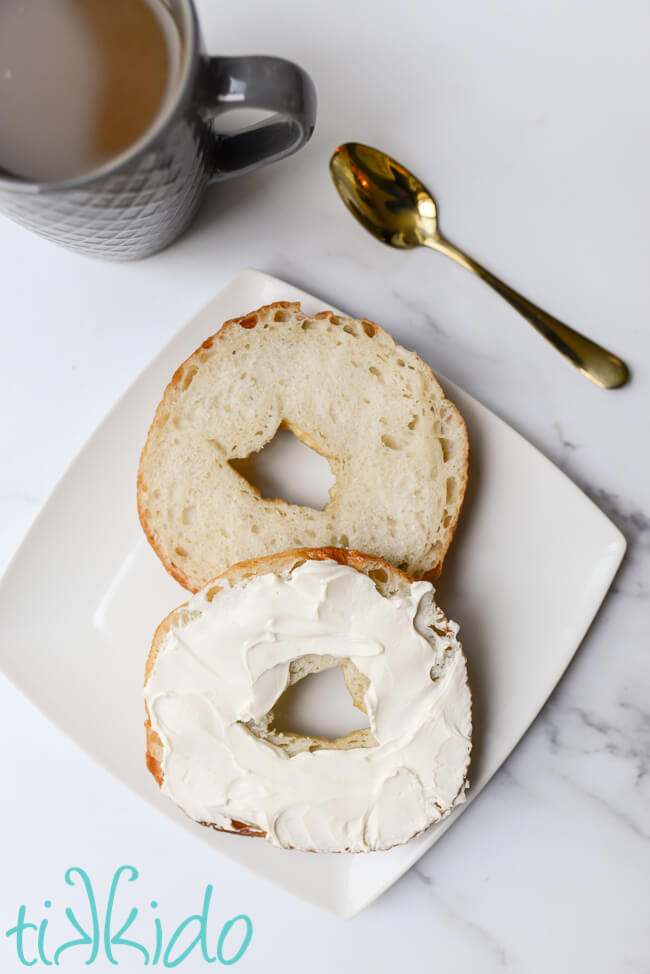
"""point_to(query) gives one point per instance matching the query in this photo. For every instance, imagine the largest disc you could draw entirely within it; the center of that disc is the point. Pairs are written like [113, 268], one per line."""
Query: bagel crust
[396, 446]
[415, 784]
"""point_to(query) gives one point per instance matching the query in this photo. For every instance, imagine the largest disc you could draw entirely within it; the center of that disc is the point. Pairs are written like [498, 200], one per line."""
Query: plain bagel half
[219, 663]
[396, 446]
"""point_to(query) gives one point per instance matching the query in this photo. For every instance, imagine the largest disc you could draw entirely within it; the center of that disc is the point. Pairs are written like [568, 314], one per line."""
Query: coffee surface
[81, 81]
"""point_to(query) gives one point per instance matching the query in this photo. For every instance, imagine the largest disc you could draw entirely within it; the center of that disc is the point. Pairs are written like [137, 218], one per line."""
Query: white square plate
[530, 565]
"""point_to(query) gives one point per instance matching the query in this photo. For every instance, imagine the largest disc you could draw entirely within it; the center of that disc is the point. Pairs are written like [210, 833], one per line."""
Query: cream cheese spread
[229, 663]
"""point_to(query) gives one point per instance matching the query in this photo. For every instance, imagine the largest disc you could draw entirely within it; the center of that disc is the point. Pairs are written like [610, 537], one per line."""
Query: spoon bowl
[396, 208]
[389, 201]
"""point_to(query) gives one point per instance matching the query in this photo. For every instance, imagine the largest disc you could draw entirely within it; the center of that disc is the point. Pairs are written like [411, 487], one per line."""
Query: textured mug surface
[140, 202]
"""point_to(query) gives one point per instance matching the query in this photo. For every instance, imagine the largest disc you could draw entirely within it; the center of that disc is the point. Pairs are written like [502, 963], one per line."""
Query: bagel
[219, 663]
[397, 447]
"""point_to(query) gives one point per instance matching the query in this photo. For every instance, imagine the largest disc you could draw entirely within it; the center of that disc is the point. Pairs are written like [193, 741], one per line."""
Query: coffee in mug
[81, 81]
[110, 120]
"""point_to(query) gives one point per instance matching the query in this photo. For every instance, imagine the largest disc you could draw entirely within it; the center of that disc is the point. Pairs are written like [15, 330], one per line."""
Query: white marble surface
[529, 120]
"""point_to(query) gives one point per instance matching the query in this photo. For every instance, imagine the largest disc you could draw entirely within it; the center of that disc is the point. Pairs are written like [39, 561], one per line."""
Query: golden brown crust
[189, 367]
[367, 564]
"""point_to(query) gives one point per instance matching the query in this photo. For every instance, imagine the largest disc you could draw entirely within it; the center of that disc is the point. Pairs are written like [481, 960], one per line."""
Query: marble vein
[479, 932]
[633, 579]
[622, 817]
[611, 740]
[564, 442]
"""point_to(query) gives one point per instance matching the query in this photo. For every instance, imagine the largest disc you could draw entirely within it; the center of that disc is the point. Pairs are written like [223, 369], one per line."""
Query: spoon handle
[594, 361]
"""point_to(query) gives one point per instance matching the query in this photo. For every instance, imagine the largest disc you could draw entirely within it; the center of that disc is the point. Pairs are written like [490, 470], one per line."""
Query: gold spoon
[393, 205]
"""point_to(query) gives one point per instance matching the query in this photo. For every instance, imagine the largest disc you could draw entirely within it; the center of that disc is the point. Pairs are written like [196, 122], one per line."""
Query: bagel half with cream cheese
[396, 446]
[219, 663]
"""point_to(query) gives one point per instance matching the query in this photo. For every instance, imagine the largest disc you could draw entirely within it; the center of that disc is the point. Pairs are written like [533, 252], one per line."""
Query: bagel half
[396, 446]
[424, 781]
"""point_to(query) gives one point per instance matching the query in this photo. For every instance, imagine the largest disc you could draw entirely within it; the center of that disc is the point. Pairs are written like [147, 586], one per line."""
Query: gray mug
[138, 203]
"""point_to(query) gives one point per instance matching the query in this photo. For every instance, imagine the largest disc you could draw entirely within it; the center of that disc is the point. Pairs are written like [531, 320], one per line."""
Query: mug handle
[267, 83]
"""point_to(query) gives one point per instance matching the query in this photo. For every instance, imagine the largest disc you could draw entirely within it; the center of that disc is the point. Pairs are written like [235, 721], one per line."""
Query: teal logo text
[124, 934]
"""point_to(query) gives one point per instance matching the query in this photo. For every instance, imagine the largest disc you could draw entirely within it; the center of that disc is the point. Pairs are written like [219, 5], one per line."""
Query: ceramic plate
[530, 565]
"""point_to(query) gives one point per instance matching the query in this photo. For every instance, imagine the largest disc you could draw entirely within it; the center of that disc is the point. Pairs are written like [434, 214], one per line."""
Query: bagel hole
[319, 705]
[289, 470]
